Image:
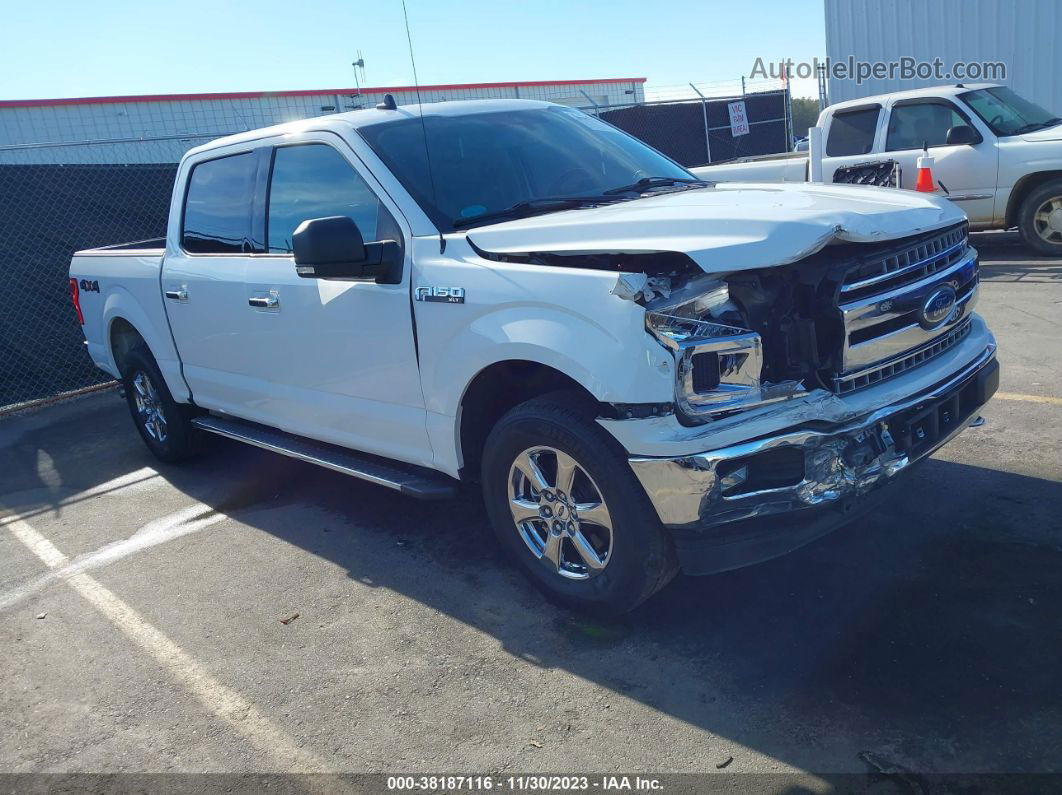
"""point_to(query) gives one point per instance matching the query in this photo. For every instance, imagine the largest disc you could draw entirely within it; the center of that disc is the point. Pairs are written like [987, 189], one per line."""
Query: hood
[732, 226]
[1046, 134]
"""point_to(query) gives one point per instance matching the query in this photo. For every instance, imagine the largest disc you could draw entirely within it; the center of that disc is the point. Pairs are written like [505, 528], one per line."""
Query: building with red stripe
[158, 128]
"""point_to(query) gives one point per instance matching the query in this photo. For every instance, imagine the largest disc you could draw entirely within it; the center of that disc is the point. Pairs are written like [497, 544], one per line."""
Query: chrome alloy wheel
[1047, 220]
[149, 407]
[560, 513]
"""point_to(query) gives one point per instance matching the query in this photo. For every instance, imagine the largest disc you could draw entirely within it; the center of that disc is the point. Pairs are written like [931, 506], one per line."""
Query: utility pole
[788, 108]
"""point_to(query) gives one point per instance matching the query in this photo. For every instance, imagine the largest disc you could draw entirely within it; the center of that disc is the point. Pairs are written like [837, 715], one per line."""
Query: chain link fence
[696, 131]
[55, 201]
[58, 198]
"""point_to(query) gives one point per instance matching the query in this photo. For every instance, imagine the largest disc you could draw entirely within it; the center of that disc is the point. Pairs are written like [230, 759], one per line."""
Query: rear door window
[217, 206]
[852, 132]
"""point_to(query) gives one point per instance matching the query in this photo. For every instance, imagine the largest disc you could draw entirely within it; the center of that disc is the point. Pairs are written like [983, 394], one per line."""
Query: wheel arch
[122, 337]
[1022, 188]
[124, 317]
[496, 389]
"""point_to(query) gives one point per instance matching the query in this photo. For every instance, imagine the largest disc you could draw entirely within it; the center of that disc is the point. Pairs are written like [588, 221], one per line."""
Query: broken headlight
[717, 366]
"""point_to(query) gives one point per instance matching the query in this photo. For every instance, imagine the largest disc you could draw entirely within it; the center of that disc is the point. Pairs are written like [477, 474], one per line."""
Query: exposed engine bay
[845, 316]
[741, 339]
[791, 307]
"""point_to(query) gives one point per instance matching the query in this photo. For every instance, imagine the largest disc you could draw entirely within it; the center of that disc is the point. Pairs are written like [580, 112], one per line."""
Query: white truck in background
[998, 155]
[643, 371]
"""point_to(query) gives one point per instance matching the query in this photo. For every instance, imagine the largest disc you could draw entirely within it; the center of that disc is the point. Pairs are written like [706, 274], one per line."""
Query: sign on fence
[739, 120]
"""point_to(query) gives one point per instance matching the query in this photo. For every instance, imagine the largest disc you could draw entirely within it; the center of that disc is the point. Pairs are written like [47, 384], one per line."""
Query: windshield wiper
[1036, 125]
[525, 208]
[653, 182]
[555, 203]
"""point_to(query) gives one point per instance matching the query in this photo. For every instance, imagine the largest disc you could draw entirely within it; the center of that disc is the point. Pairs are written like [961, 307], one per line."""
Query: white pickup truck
[642, 370]
[998, 155]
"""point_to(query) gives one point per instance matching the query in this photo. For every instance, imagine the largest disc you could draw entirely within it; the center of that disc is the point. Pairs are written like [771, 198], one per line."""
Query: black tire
[639, 560]
[1028, 226]
[176, 439]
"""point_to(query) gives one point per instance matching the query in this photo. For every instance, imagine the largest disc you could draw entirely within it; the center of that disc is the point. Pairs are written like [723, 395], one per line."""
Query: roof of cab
[368, 116]
[914, 93]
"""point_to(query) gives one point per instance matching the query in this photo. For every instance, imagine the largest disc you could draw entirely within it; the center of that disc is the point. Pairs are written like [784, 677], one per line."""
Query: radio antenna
[359, 64]
[423, 126]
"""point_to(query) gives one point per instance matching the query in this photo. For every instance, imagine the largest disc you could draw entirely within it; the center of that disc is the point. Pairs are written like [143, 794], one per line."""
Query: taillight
[75, 296]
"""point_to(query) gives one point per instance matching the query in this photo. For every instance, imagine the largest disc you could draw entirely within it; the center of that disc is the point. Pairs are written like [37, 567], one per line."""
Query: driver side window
[315, 181]
[926, 123]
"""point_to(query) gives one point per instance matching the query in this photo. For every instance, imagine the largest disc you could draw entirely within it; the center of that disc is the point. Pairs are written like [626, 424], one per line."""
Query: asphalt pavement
[253, 613]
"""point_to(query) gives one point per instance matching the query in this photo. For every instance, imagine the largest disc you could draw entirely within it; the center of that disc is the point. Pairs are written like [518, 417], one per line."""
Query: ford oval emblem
[938, 307]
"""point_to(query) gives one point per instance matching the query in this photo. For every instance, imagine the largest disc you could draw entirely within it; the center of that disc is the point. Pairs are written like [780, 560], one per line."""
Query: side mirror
[962, 134]
[333, 248]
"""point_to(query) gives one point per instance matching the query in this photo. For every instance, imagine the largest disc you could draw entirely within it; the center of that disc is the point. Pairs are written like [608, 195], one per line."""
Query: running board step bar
[413, 481]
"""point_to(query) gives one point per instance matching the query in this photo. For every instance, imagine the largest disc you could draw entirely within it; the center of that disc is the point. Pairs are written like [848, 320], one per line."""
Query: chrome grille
[890, 302]
[895, 268]
[872, 375]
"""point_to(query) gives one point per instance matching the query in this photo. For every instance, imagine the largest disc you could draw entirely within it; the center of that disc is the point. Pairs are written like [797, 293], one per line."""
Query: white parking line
[36, 543]
[224, 702]
[188, 520]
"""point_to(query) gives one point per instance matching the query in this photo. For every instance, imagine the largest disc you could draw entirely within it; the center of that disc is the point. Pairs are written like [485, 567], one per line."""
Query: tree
[805, 114]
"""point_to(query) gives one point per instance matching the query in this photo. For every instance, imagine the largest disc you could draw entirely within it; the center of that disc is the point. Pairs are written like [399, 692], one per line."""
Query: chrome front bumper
[840, 462]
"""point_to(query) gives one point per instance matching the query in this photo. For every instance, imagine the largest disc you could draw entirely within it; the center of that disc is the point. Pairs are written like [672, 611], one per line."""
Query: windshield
[1006, 112]
[485, 163]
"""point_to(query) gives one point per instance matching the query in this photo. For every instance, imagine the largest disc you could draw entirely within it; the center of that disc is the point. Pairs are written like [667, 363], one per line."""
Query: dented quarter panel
[728, 227]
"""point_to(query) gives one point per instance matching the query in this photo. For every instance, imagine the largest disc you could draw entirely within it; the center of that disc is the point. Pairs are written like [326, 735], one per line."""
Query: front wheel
[1040, 219]
[565, 505]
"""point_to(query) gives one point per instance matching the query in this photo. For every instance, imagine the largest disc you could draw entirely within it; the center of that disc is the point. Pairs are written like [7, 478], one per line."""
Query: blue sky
[60, 48]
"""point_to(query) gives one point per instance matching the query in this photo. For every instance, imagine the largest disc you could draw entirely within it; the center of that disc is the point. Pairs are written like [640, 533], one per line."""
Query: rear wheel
[164, 424]
[566, 506]
[1040, 219]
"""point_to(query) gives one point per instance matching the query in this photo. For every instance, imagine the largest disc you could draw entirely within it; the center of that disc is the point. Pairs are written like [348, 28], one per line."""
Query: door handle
[264, 302]
[177, 295]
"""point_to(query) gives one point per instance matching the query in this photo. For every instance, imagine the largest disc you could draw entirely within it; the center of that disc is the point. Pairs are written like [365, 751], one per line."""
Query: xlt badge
[441, 295]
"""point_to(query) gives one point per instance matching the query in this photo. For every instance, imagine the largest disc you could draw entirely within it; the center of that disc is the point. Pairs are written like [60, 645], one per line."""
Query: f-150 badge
[441, 295]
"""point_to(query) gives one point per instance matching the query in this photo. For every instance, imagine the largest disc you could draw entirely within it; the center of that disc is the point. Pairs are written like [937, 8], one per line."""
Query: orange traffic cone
[924, 181]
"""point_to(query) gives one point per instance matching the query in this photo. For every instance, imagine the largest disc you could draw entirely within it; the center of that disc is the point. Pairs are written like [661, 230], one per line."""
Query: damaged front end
[842, 319]
[780, 491]
[846, 319]
[787, 472]
[816, 351]
[718, 360]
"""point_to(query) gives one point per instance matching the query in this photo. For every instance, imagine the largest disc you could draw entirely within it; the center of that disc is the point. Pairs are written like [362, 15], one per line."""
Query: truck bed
[786, 167]
[123, 281]
[153, 247]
